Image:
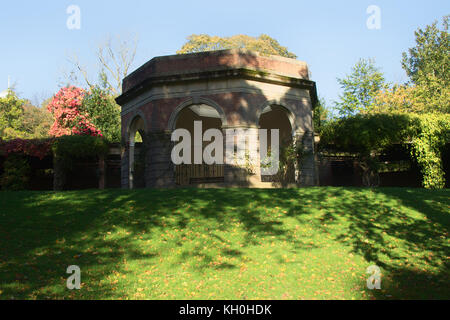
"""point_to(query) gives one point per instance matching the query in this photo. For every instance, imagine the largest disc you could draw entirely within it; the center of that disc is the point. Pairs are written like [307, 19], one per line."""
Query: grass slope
[312, 243]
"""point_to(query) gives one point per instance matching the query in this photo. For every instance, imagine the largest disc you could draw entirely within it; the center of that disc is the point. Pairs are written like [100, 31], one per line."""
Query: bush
[66, 148]
[103, 112]
[16, 175]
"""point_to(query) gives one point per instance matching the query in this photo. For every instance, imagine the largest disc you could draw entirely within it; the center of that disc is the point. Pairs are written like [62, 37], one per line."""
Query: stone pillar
[297, 143]
[125, 169]
[307, 175]
[131, 165]
[246, 172]
[160, 170]
[101, 172]
[59, 174]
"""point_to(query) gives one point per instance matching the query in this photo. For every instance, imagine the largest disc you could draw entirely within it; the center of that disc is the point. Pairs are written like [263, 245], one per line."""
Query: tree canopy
[20, 119]
[321, 114]
[65, 107]
[427, 65]
[376, 115]
[11, 113]
[115, 56]
[103, 112]
[80, 112]
[430, 57]
[262, 44]
[360, 88]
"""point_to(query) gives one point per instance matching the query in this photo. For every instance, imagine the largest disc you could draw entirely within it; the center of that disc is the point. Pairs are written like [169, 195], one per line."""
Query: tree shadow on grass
[43, 233]
[401, 230]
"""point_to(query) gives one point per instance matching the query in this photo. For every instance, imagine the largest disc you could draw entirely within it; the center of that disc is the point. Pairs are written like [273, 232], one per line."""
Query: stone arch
[185, 116]
[276, 115]
[136, 176]
[192, 101]
[137, 116]
[280, 103]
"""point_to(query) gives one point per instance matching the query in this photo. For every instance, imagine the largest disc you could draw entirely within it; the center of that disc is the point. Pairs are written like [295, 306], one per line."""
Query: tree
[321, 114]
[430, 57]
[20, 119]
[11, 114]
[360, 88]
[420, 98]
[36, 121]
[98, 106]
[103, 112]
[115, 59]
[263, 44]
[69, 119]
[427, 65]
[80, 112]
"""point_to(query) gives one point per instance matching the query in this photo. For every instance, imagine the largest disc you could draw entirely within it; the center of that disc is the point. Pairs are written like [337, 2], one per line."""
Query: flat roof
[216, 64]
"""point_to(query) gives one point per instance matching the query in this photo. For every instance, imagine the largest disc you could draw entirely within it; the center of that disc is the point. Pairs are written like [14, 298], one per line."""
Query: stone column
[160, 170]
[307, 166]
[296, 140]
[246, 171]
[101, 172]
[131, 165]
[125, 169]
[59, 174]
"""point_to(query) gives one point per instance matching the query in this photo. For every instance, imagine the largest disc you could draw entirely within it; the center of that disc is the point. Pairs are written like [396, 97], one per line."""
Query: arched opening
[278, 117]
[137, 152]
[198, 173]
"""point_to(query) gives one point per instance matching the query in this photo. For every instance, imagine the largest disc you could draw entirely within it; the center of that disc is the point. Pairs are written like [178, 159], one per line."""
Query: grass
[312, 243]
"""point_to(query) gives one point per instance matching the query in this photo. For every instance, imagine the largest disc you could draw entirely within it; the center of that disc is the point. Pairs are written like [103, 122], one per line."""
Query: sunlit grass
[313, 243]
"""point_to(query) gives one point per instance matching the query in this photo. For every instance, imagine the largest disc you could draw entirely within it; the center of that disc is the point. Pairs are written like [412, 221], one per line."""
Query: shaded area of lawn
[225, 243]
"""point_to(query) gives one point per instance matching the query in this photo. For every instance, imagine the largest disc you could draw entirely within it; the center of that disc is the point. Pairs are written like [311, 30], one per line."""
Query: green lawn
[312, 243]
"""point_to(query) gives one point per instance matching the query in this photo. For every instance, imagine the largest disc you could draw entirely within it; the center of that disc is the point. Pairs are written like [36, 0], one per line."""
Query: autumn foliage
[69, 120]
[33, 148]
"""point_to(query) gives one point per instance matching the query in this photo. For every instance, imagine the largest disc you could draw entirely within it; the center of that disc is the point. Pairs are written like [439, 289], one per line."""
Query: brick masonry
[228, 81]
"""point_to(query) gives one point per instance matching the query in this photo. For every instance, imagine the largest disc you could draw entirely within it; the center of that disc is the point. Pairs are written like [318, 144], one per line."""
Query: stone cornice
[223, 73]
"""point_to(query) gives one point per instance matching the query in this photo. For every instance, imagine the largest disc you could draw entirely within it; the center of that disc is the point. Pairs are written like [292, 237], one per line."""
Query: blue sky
[329, 35]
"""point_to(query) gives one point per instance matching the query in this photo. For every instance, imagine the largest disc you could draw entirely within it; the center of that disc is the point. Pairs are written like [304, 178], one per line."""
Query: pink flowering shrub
[69, 120]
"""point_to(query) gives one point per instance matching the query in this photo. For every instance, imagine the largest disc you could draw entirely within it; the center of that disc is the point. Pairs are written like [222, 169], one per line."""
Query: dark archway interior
[137, 164]
[277, 117]
[193, 173]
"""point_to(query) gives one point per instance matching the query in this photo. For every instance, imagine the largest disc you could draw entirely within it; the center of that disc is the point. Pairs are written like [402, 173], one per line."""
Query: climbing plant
[429, 134]
[367, 136]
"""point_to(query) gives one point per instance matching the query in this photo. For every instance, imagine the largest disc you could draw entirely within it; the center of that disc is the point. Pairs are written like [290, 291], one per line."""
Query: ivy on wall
[429, 135]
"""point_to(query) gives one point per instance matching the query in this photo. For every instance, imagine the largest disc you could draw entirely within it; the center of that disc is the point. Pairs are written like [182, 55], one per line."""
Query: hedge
[368, 135]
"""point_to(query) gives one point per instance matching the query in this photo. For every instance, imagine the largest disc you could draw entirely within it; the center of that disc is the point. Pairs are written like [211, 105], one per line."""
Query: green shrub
[16, 174]
[103, 112]
[67, 148]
